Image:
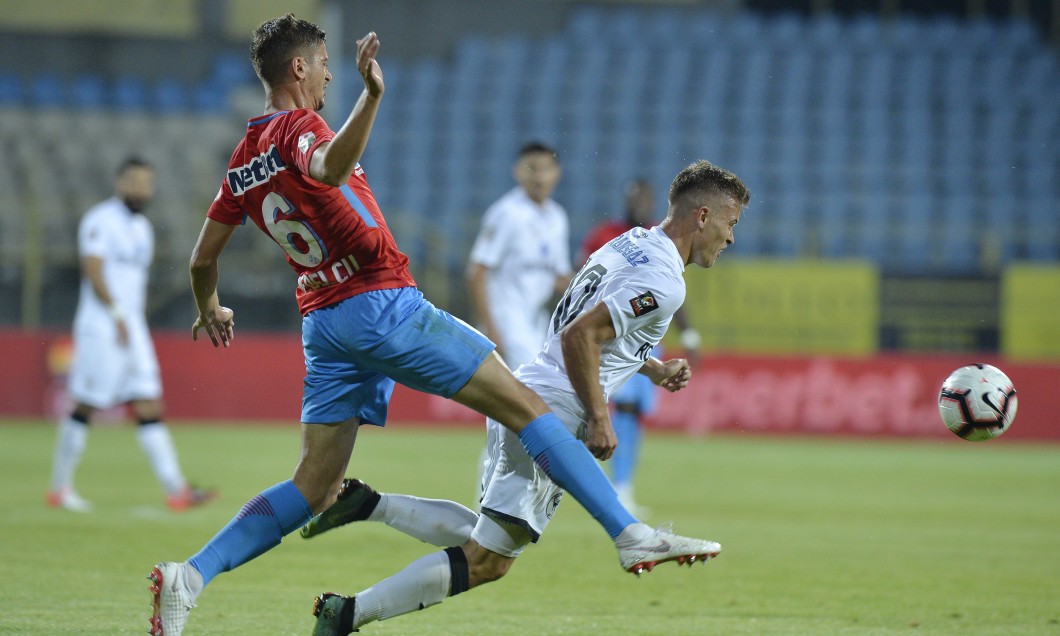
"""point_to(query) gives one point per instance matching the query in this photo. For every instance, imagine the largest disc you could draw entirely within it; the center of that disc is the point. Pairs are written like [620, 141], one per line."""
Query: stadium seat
[11, 89]
[47, 91]
[129, 94]
[88, 91]
[168, 95]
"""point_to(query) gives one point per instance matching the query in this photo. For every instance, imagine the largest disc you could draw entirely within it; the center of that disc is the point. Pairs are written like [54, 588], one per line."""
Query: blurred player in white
[521, 258]
[617, 308]
[114, 358]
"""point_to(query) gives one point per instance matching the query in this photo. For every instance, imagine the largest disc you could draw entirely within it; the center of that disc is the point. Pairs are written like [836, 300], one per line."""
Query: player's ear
[702, 217]
[297, 66]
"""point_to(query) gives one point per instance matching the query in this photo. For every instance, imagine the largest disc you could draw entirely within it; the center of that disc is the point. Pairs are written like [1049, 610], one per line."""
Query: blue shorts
[357, 348]
[638, 391]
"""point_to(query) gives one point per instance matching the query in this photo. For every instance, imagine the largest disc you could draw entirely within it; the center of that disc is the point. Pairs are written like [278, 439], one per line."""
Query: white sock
[157, 444]
[436, 521]
[193, 581]
[633, 534]
[423, 583]
[71, 438]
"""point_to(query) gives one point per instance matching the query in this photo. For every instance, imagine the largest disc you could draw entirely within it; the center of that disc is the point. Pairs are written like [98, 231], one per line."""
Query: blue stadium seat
[88, 91]
[958, 233]
[129, 94]
[1042, 228]
[11, 89]
[208, 98]
[832, 225]
[825, 31]
[169, 95]
[232, 70]
[47, 91]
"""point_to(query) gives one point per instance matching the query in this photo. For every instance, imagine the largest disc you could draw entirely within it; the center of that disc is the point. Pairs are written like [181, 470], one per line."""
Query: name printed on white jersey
[257, 172]
[630, 250]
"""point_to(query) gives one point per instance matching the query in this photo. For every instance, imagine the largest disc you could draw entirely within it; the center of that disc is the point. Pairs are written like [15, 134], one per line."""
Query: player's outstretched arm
[333, 162]
[672, 375]
[219, 322]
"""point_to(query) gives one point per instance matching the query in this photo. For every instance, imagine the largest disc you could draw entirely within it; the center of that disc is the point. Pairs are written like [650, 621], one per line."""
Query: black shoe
[356, 501]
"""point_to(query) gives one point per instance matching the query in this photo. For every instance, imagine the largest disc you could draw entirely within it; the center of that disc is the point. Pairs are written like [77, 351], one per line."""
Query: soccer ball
[977, 402]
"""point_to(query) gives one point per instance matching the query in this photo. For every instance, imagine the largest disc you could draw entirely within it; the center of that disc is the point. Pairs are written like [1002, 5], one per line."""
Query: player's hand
[219, 324]
[367, 47]
[675, 376]
[600, 437]
[123, 332]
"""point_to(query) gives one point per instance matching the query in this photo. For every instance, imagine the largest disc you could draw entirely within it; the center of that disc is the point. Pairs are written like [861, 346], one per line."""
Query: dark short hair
[704, 177]
[279, 40]
[132, 161]
[537, 147]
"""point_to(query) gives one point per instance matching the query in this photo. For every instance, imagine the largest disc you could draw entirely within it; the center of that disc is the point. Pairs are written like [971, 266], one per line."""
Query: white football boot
[172, 598]
[69, 500]
[662, 545]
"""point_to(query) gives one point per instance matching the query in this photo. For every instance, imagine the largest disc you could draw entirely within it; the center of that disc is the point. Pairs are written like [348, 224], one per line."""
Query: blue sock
[258, 527]
[624, 461]
[570, 464]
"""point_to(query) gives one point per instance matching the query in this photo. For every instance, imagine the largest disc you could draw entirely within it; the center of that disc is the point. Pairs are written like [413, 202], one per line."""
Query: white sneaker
[69, 500]
[172, 599]
[663, 545]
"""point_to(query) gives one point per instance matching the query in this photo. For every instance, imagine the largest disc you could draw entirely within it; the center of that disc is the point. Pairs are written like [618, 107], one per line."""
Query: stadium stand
[919, 143]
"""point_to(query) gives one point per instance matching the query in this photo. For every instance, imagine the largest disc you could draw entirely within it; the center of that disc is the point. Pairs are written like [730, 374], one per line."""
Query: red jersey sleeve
[302, 134]
[225, 209]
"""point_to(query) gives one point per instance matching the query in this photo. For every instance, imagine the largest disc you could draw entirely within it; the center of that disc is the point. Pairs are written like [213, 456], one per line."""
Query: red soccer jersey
[335, 238]
[600, 235]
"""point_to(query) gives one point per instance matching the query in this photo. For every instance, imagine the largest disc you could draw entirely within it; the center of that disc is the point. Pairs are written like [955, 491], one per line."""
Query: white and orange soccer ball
[977, 402]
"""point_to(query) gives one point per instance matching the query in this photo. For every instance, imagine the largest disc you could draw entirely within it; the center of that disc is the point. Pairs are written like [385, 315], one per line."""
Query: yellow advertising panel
[165, 18]
[1030, 312]
[785, 306]
[244, 16]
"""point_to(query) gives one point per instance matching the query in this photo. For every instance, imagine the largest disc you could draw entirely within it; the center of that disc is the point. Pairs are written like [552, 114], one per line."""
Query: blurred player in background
[636, 398]
[114, 358]
[614, 312]
[364, 323]
[521, 259]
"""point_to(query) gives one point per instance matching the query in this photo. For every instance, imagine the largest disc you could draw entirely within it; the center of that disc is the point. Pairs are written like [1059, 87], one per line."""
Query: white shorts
[104, 373]
[516, 493]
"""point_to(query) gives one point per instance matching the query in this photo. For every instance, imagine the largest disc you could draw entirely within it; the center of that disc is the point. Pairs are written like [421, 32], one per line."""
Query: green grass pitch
[820, 537]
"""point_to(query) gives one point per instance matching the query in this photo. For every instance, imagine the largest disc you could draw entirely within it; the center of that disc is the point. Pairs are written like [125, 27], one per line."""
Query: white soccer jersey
[525, 246]
[126, 243]
[639, 276]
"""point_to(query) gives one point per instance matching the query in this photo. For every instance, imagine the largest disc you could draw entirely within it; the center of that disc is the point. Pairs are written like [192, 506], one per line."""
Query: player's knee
[488, 567]
[83, 413]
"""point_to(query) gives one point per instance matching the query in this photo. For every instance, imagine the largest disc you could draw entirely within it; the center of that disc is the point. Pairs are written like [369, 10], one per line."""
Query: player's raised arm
[219, 322]
[333, 162]
[581, 341]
